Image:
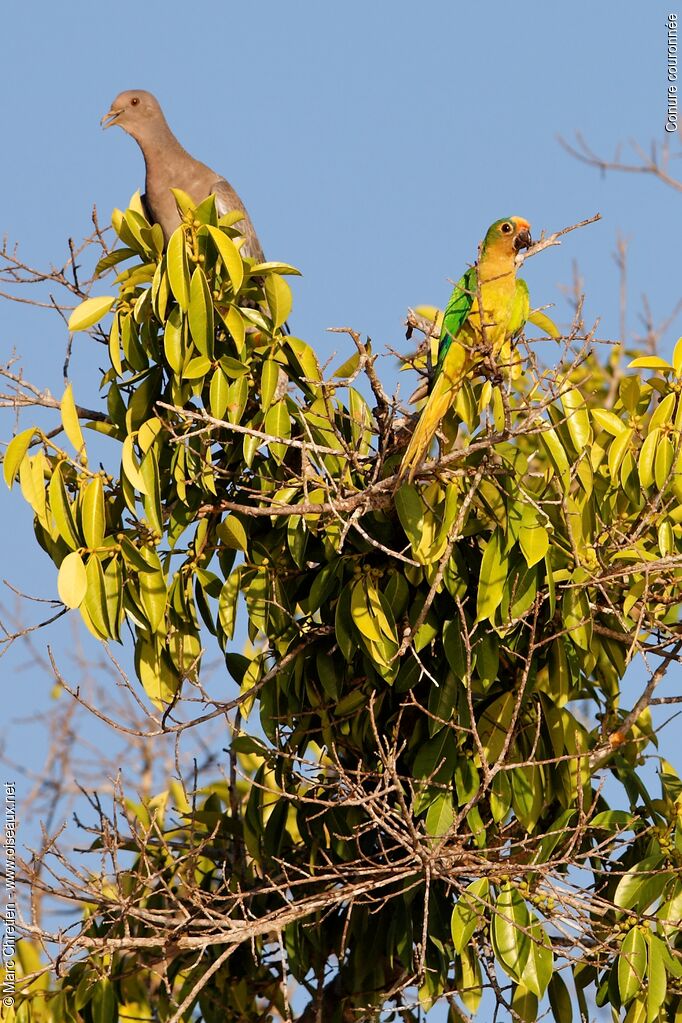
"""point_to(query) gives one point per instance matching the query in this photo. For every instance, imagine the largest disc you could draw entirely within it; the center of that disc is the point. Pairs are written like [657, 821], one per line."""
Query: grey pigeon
[168, 166]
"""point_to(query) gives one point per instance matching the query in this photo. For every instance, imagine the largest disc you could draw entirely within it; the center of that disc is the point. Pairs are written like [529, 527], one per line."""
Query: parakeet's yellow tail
[442, 396]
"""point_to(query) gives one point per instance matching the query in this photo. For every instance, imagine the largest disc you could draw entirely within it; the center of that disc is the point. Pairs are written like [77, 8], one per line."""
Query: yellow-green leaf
[617, 451]
[632, 964]
[677, 357]
[557, 456]
[153, 591]
[469, 912]
[60, 507]
[218, 393]
[663, 462]
[95, 603]
[230, 255]
[130, 467]
[14, 456]
[70, 420]
[269, 379]
[177, 267]
[92, 512]
[608, 421]
[577, 418]
[72, 580]
[280, 299]
[232, 533]
[173, 340]
[650, 362]
[492, 578]
[664, 413]
[278, 424]
[543, 322]
[90, 312]
[201, 313]
[534, 543]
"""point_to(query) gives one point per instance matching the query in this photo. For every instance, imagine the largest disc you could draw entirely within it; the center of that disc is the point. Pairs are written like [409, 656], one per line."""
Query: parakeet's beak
[110, 118]
[523, 240]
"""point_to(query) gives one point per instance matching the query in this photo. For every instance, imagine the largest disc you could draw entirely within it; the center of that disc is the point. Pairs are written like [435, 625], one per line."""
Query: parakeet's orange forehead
[520, 223]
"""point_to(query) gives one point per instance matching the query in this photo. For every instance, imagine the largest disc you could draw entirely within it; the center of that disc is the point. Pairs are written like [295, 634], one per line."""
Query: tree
[433, 786]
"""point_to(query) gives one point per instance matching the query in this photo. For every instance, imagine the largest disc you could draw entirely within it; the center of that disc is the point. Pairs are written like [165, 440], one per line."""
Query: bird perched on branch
[168, 166]
[466, 337]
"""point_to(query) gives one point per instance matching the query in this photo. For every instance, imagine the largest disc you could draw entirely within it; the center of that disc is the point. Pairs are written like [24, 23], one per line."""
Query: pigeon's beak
[523, 240]
[110, 118]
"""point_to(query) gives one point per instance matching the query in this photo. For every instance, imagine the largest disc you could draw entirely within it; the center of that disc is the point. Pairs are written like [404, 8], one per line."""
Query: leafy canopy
[434, 669]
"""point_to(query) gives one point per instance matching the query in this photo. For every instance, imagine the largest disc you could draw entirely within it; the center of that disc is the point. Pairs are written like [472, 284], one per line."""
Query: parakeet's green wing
[520, 310]
[456, 312]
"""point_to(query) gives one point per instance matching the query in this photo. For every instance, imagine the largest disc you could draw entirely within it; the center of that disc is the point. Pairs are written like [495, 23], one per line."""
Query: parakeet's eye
[134, 101]
[507, 228]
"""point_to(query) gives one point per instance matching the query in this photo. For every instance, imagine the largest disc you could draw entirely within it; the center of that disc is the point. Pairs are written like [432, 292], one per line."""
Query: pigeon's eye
[134, 101]
[505, 229]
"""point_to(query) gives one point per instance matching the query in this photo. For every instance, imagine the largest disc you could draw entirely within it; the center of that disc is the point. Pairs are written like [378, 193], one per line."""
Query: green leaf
[493, 725]
[557, 456]
[197, 368]
[177, 267]
[238, 394]
[440, 815]
[646, 459]
[61, 510]
[218, 393]
[14, 456]
[104, 1009]
[72, 580]
[152, 589]
[534, 543]
[70, 420]
[544, 323]
[89, 312]
[642, 884]
[201, 313]
[268, 383]
[92, 512]
[435, 759]
[95, 603]
[665, 454]
[230, 255]
[280, 299]
[520, 942]
[632, 964]
[650, 362]
[149, 470]
[232, 533]
[577, 617]
[560, 999]
[493, 574]
[657, 982]
[274, 268]
[130, 467]
[455, 648]
[469, 912]
[613, 820]
[469, 980]
[577, 419]
[174, 340]
[227, 603]
[524, 1004]
[608, 421]
[278, 424]
[509, 940]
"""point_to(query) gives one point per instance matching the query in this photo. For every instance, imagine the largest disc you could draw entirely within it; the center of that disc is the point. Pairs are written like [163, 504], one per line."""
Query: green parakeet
[506, 307]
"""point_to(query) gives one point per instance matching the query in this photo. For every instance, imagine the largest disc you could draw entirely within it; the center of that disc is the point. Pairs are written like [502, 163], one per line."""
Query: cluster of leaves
[436, 666]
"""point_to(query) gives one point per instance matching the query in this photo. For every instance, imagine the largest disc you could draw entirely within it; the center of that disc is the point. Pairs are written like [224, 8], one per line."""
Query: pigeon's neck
[159, 145]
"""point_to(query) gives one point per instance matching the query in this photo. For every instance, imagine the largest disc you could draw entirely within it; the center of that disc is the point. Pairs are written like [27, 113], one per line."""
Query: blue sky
[372, 142]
